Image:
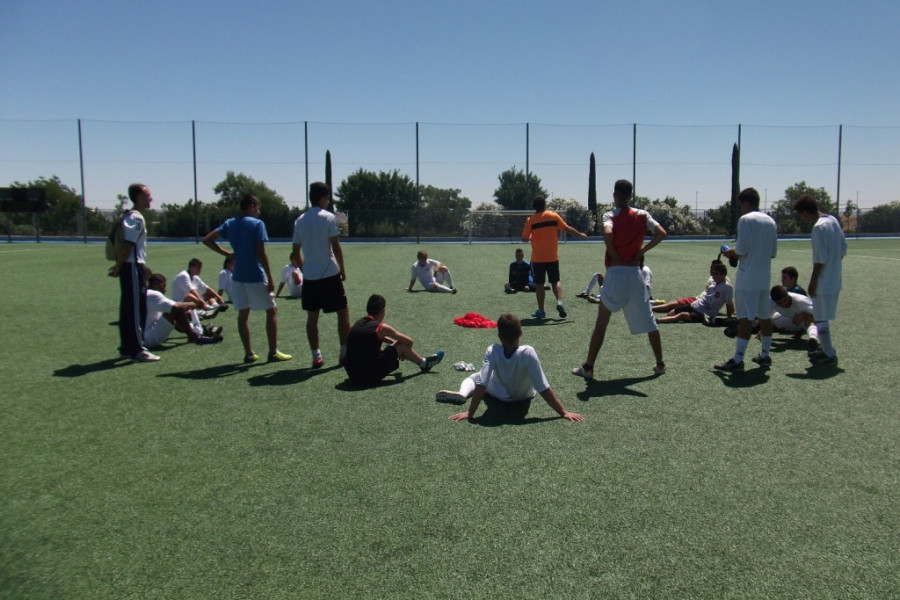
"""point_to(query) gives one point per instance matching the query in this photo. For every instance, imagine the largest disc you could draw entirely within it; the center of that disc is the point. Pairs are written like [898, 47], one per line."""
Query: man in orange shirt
[541, 229]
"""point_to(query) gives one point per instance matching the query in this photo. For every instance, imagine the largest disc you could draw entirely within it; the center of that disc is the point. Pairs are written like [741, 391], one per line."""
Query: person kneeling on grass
[368, 360]
[509, 373]
[164, 315]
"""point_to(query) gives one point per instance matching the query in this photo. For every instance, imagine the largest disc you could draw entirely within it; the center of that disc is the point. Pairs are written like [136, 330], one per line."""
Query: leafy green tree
[378, 203]
[676, 219]
[444, 211]
[884, 218]
[275, 212]
[514, 193]
[783, 210]
[64, 210]
[718, 220]
[573, 212]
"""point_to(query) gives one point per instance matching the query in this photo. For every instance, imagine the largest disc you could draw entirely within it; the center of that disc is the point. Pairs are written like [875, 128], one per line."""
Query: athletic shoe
[145, 356]
[212, 331]
[251, 357]
[813, 346]
[582, 295]
[208, 314]
[594, 299]
[432, 360]
[539, 314]
[277, 356]
[582, 371]
[318, 362]
[820, 358]
[222, 307]
[454, 291]
[730, 366]
[451, 397]
[561, 310]
[659, 369]
[206, 339]
[763, 361]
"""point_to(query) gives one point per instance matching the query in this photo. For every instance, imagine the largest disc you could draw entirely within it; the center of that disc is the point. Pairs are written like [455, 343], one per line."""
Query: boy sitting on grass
[509, 373]
[366, 361]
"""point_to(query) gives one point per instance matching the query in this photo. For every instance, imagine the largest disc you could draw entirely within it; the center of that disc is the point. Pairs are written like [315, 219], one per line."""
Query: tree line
[389, 204]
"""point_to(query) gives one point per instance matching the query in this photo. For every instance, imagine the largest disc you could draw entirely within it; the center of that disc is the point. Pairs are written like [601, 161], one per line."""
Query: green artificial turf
[201, 477]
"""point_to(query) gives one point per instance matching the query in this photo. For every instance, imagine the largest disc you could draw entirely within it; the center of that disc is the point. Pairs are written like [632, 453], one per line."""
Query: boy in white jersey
[719, 292]
[793, 313]
[292, 277]
[825, 282]
[164, 315]
[510, 373]
[431, 274]
[225, 277]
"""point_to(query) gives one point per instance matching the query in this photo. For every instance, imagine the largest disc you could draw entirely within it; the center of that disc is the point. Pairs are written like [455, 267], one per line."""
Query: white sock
[766, 344]
[825, 337]
[739, 348]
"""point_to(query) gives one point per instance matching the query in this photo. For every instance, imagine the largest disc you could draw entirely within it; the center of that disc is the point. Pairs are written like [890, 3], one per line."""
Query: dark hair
[135, 190]
[509, 328]
[318, 190]
[421, 254]
[778, 292]
[750, 196]
[539, 204]
[718, 267]
[247, 200]
[228, 259]
[156, 279]
[623, 187]
[195, 262]
[375, 304]
[791, 272]
[806, 204]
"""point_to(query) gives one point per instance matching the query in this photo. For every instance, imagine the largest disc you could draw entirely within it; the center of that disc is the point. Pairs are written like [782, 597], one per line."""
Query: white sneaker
[145, 356]
[451, 397]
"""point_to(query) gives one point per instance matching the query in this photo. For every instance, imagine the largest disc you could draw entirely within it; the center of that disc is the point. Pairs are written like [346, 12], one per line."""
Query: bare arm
[124, 251]
[575, 232]
[729, 309]
[659, 234]
[473, 406]
[386, 332]
[296, 248]
[339, 256]
[814, 279]
[211, 242]
[263, 259]
[550, 398]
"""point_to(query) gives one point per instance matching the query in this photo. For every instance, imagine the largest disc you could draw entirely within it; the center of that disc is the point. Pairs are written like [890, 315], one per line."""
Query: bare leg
[599, 333]
[656, 344]
[343, 325]
[312, 329]
[557, 290]
[272, 328]
[405, 352]
[244, 329]
[539, 293]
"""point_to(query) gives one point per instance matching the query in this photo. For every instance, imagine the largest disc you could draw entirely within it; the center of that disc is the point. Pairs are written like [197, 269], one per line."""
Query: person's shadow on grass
[545, 322]
[103, 365]
[612, 387]
[499, 413]
[288, 376]
[744, 379]
[392, 379]
[818, 372]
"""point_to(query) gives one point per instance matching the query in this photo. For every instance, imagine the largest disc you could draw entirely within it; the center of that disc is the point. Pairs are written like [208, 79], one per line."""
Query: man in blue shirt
[251, 284]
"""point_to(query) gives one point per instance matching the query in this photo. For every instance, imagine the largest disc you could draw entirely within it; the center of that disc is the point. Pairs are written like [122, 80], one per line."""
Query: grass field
[199, 477]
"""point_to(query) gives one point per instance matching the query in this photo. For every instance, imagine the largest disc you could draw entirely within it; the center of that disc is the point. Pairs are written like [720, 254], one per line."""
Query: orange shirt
[543, 229]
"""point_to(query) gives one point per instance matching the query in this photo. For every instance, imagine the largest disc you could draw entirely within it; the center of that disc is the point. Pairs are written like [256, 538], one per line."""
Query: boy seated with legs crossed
[509, 373]
[374, 348]
[719, 292]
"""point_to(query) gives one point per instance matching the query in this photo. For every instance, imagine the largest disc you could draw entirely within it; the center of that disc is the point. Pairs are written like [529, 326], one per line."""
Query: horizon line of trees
[388, 204]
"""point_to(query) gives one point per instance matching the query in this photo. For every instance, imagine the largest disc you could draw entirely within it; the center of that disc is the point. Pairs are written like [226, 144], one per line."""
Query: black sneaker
[561, 310]
[730, 366]
[206, 339]
[763, 361]
[813, 346]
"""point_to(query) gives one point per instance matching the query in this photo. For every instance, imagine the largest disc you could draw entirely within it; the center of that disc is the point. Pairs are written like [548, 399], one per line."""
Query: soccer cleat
[582, 295]
[561, 310]
[277, 356]
[207, 339]
[222, 307]
[318, 362]
[145, 356]
[813, 347]
[454, 291]
[583, 371]
[594, 299]
[212, 331]
[539, 314]
[251, 357]
[763, 361]
[450, 396]
[659, 369]
[820, 358]
[730, 366]
[432, 360]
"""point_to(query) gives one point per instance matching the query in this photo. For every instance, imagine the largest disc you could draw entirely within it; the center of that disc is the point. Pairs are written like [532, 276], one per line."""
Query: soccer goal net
[503, 225]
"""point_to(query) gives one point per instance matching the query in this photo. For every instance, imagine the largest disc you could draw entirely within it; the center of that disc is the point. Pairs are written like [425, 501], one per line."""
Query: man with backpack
[130, 240]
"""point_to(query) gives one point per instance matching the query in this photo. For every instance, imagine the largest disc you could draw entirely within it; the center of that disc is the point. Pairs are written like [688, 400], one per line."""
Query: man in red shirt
[623, 287]
[541, 229]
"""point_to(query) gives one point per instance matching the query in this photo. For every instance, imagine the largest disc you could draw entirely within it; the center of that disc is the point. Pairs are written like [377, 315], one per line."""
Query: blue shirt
[244, 233]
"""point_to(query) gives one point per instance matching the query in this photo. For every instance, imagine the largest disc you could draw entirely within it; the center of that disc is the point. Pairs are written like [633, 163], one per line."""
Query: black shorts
[326, 295]
[544, 271]
[377, 369]
[696, 317]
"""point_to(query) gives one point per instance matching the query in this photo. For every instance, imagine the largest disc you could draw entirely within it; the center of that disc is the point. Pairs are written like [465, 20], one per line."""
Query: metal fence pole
[196, 200]
[81, 167]
[837, 200]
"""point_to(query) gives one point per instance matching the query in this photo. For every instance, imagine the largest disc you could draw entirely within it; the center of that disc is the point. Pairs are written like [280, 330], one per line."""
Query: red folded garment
[475, 320]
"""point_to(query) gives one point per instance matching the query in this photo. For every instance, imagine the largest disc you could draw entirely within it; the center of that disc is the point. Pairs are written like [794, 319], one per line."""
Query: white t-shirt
[225, 280]
[424, 273]
[714, 298]
[134, 230]
[181, 285]
[515, 378]
[295, 289]
[757, 245]
[829, 249]
[157, 305]
[313, 230]
[648, 276]
[799, 304]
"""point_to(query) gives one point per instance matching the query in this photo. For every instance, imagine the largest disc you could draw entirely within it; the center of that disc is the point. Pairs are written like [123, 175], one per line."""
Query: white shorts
[752, 304]
[825, 307]
[783, 323]
[624, 289]
[158, 332]
[255, 295]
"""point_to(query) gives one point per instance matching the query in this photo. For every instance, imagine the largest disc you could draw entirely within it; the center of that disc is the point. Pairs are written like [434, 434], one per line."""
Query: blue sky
[472, 74]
